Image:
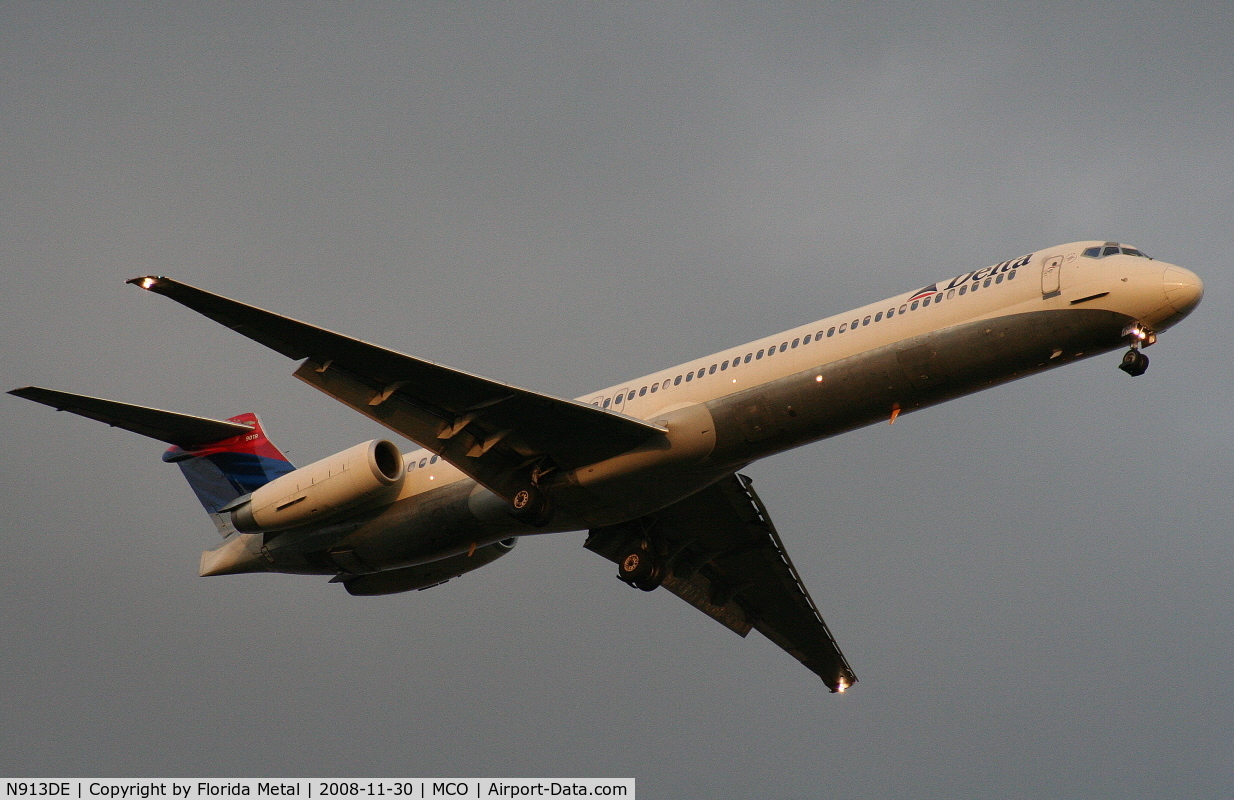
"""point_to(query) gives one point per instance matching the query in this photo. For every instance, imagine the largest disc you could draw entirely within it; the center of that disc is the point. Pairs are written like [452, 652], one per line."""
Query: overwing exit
[650, 466]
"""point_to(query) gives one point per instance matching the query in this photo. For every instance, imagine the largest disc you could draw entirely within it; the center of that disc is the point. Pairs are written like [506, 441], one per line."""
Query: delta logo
[976, 275]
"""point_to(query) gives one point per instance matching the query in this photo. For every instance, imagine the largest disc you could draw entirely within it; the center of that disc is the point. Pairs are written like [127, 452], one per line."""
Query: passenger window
[1011, 275]
[712, 371]
[677, 381]
[423, 461]
[865, 322]
[723, 365]
[986, 282]
[831, 331]
[878, 317]
[806, 340]
[999, 279]
[783, 346]
[964, 290]
[951, 294]
[758, 355]
[607, 402]
[914, 305]
[904, 308]
[796, 342]
[925, 302]
[854, 323]
[654, 386]
[642, 391]
[843, 327]
[891, 312]
[433, 460]
[747, 360]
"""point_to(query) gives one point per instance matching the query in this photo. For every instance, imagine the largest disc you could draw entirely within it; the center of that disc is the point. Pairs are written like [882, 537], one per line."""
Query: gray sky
[1033, 583]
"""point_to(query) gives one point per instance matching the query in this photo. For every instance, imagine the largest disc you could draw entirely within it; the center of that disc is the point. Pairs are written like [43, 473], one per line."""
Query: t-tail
[224, 470]
[221, 459]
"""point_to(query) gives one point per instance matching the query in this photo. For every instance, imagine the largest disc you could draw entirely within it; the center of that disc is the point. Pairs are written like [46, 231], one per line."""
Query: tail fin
[223, 470]
[221, 460]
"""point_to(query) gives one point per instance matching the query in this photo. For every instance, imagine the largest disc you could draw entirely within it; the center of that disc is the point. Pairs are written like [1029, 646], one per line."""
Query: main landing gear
[530, 504]
[641, 567]
[1135, 362]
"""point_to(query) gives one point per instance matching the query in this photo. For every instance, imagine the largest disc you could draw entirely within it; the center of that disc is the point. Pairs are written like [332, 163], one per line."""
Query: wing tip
[147, 282]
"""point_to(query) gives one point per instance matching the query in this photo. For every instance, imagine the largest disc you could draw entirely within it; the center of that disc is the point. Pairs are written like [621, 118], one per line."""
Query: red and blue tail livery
[221, 471]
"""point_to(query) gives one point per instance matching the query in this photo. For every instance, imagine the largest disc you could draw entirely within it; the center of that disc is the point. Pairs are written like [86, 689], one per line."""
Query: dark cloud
[1032, 583]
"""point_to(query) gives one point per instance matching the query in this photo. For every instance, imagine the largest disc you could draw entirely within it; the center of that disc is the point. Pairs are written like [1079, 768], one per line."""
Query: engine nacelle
[364, 473]
[422, 576]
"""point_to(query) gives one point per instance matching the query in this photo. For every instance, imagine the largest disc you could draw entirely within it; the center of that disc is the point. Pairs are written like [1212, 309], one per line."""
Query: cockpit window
[1112, 249]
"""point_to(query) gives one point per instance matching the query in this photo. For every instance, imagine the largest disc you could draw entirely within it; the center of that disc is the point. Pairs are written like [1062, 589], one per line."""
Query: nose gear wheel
[1134, 362]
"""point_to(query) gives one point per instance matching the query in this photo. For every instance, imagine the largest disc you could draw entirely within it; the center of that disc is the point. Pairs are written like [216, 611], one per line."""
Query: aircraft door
[619, 400]
[1051, 274]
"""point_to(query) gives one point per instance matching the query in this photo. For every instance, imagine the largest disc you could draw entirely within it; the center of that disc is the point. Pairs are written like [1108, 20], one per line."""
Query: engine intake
[366, 473]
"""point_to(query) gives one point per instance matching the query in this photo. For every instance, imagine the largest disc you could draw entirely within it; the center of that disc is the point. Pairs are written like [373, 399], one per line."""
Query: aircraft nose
[1183, 289]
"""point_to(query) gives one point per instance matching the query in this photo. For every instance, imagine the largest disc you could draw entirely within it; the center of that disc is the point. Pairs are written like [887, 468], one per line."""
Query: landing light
[841, 686]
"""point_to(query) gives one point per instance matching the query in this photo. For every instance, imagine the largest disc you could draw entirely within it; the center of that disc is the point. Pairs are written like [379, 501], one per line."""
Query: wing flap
[727, 560]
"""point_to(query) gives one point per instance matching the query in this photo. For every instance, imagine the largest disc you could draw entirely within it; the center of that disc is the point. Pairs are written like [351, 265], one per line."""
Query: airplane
[650, 466]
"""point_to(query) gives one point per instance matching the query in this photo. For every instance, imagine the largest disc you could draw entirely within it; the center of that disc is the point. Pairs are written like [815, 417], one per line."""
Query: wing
[496, 433]
[726, 559]
[166, 426]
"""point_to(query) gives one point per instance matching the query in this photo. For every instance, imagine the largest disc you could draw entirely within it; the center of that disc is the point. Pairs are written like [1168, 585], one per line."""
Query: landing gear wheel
[640, 568]
[1134, 362]
[530, 505]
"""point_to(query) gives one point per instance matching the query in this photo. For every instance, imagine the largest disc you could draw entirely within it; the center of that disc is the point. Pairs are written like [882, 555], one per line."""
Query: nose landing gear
[1135, 362]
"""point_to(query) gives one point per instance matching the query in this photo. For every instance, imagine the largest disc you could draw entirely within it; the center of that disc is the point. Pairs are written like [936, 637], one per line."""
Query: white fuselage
[724, 410]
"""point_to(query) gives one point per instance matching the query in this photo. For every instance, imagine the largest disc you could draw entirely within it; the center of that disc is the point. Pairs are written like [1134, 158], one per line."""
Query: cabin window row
[424, 462]
[768, 352]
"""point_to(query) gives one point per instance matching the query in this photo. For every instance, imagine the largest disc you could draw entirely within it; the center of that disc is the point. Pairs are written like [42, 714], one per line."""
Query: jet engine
[366, 473]
[423, 576]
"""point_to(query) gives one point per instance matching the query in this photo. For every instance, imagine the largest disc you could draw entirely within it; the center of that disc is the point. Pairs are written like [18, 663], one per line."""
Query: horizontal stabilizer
[183, 430]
